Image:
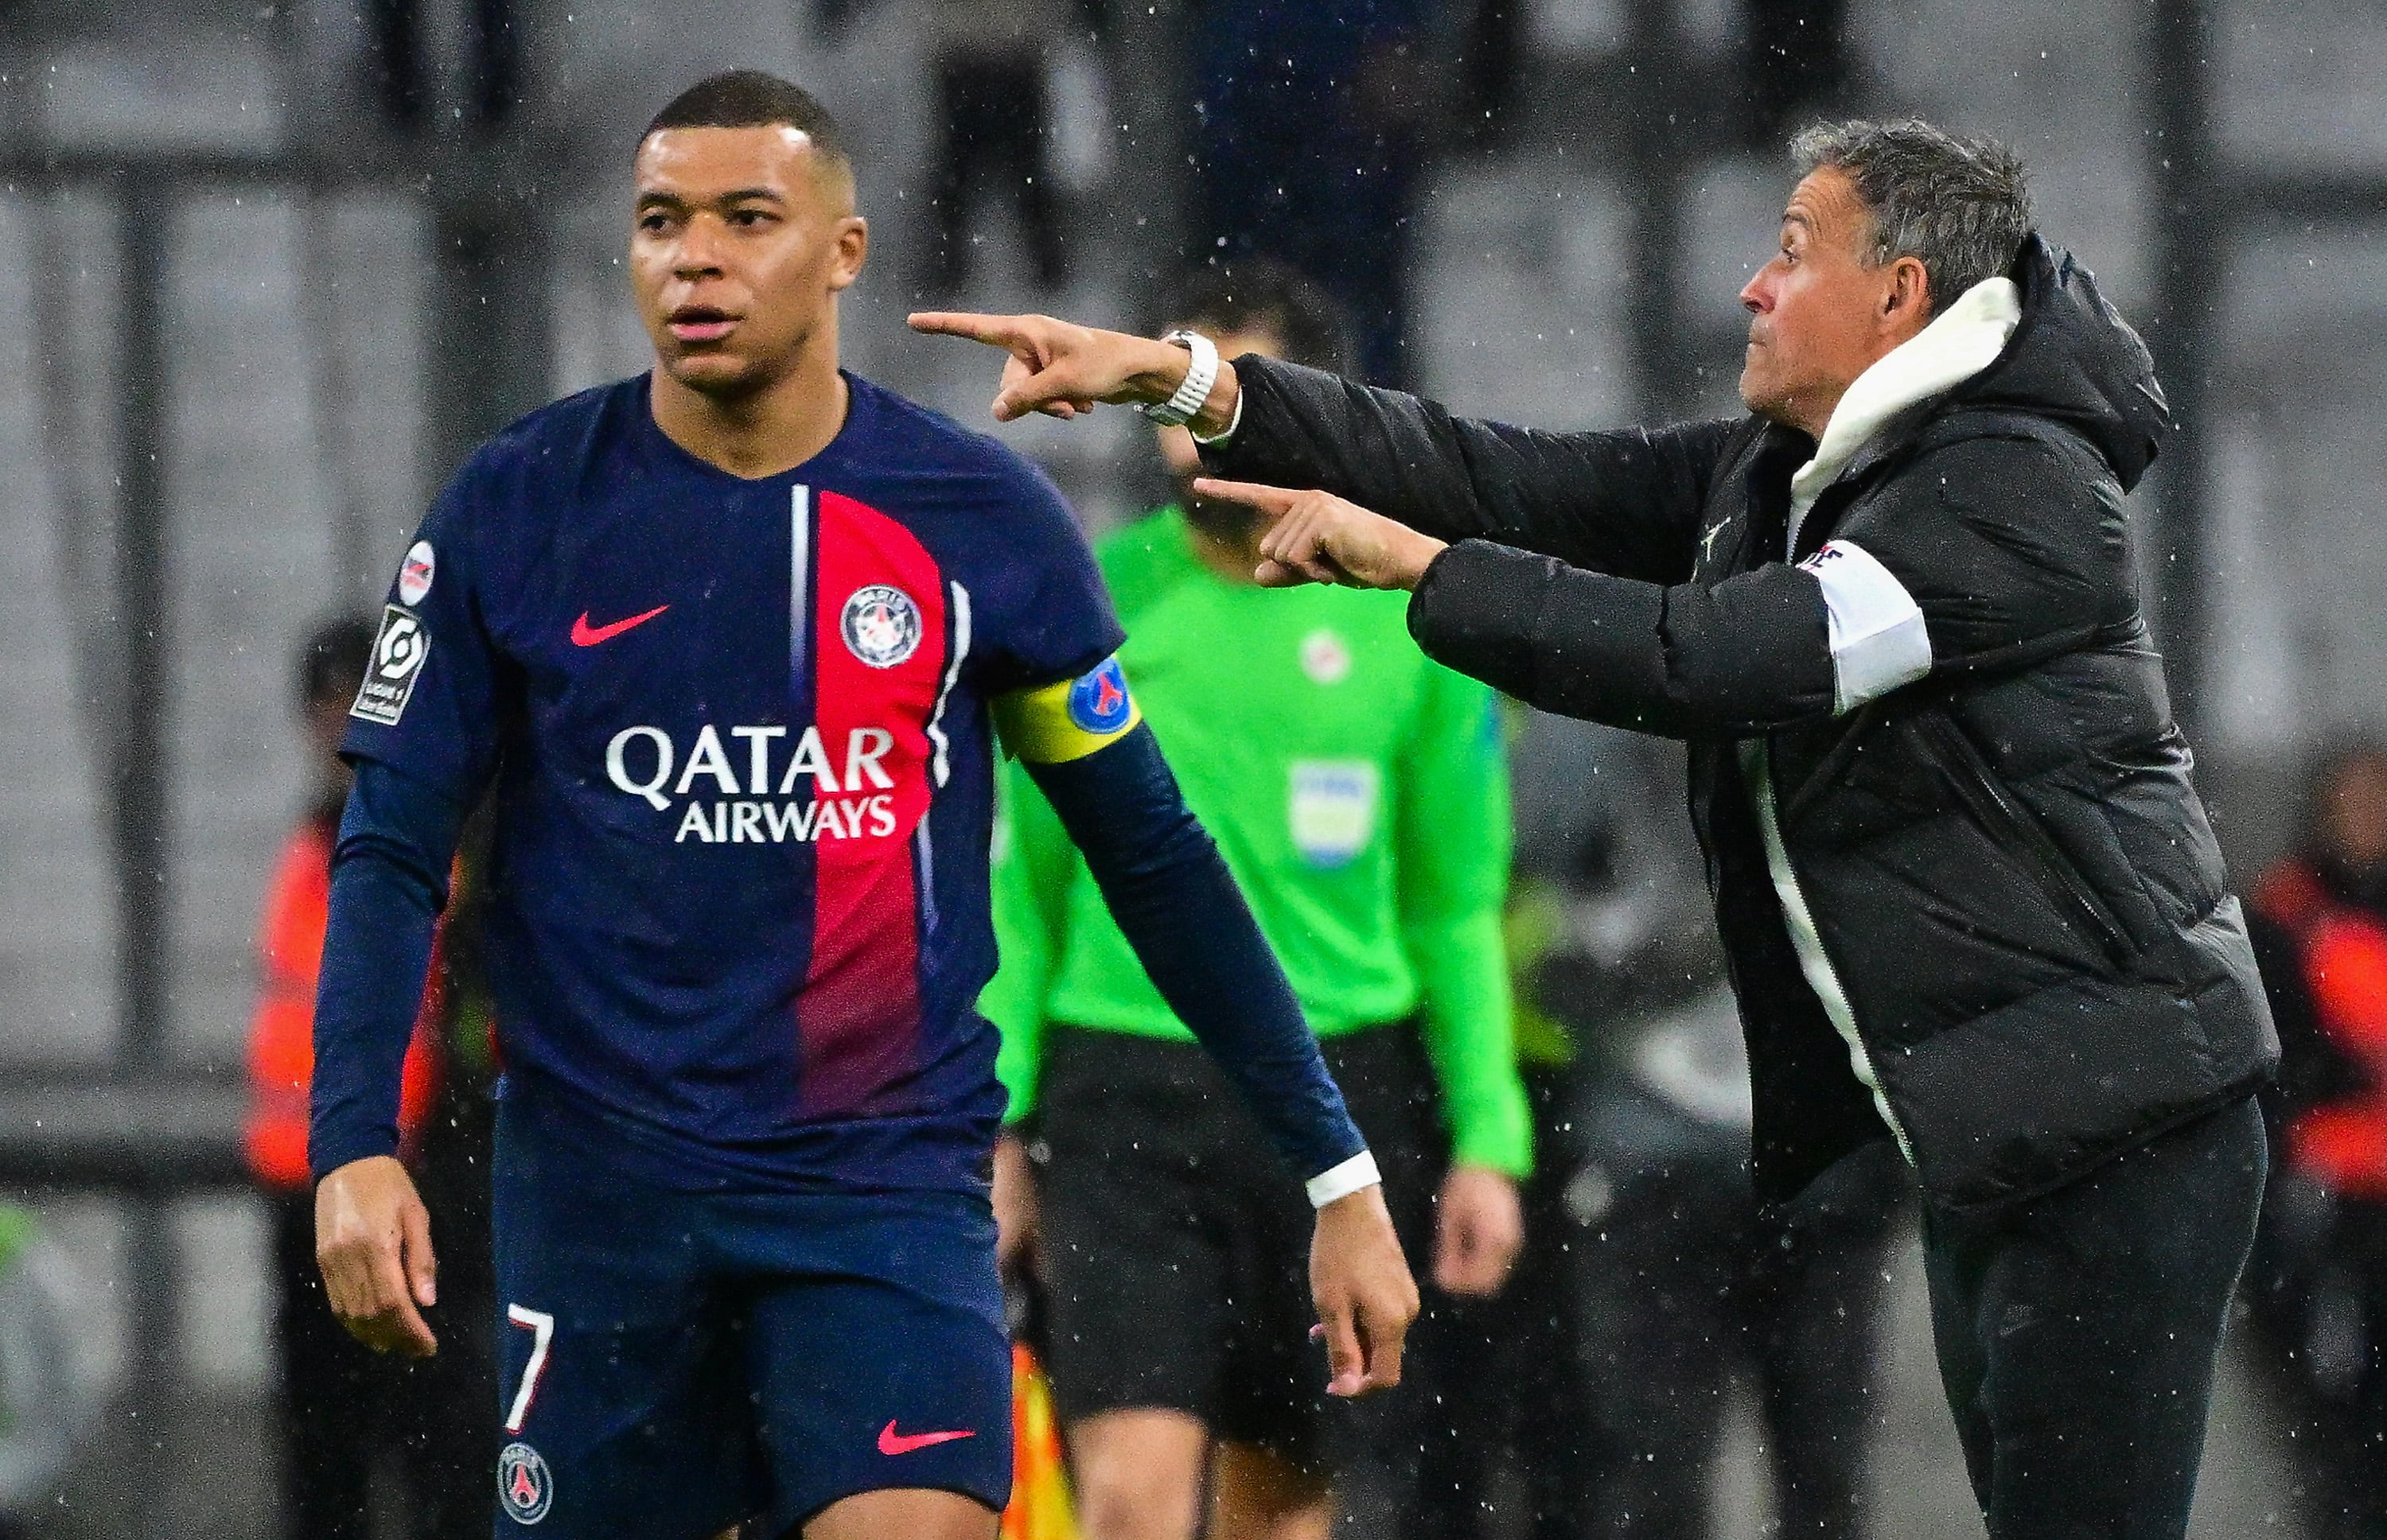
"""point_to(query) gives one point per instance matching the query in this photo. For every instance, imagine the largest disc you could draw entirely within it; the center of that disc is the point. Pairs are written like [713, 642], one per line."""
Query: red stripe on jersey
[878, 645]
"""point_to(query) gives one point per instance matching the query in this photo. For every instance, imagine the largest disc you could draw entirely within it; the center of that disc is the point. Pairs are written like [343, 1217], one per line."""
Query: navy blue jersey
[739, 734]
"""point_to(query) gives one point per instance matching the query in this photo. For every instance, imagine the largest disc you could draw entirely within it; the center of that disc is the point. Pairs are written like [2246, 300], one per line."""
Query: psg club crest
[525, 1488]
[882, 625]
[1098, 700]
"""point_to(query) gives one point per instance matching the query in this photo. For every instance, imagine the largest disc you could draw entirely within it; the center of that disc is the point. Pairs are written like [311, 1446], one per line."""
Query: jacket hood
[2074, 361]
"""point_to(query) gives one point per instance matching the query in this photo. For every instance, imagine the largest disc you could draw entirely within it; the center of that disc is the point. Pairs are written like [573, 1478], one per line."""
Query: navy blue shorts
[674, 1362]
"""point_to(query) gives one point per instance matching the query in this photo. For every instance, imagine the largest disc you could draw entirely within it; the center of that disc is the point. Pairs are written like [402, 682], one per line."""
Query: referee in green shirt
[1360, 794]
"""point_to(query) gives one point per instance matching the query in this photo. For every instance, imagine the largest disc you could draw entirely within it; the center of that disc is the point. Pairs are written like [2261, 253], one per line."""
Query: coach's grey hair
[1958, 204]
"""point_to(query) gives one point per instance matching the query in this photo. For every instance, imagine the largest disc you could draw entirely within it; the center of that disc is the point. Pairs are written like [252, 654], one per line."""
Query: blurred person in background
[994, 144]
[1798, 63]
[1357, 792]
[339, 1401]
[1652, 1283]
[398, 42]
[46, 1402]
[2319, 1279]
[1683, 1283]
[1310, 139]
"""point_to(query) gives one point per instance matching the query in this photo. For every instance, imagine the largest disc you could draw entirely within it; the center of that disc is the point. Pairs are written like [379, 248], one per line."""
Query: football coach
[1969, 896]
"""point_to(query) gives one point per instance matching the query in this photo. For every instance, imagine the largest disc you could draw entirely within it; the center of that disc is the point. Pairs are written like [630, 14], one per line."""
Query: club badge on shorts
[524, 1489]
[882, 625]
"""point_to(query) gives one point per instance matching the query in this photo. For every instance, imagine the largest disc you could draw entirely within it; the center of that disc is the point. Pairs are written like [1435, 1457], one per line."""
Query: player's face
[1816, 310]
[742, 239]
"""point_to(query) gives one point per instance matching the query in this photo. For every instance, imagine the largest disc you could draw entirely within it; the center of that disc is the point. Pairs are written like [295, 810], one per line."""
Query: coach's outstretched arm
[1972, 563]
[1625, 501]
[1180, 909]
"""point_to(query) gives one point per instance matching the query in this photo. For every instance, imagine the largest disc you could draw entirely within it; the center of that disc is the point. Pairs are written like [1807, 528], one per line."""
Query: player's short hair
[1260, 293]
[331, 660]
[753, 98]
[1959, 206]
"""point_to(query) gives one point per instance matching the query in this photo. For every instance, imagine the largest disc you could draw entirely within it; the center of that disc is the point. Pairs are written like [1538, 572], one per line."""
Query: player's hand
[1319, 538]
[1364, 1294]
[373, 1240]
[1014, 1206]
[1062, 369]
[1479, 1226]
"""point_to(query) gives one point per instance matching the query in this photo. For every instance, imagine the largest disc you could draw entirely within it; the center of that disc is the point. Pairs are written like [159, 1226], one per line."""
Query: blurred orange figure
[1040, 1479]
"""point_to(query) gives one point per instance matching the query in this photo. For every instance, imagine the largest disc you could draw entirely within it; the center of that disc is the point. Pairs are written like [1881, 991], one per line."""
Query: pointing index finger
[1275, 501]
[997, 329]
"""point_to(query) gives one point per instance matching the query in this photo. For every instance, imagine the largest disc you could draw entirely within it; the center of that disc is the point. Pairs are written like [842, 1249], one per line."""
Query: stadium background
[246, 326]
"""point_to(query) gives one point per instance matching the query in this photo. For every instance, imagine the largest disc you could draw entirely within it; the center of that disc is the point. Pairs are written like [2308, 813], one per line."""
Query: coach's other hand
[373, 1240]
[1317, 537]
[1061, 368]
[1361, 1286]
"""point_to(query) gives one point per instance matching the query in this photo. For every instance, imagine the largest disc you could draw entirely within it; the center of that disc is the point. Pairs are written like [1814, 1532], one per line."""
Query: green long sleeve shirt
[1358, 793]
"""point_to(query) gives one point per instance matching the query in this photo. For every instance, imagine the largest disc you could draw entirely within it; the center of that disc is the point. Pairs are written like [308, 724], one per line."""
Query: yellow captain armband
[1056, 723]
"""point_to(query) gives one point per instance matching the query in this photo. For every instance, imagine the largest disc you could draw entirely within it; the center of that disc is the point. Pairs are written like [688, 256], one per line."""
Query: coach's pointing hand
[1364, 1294]
[1062, 369]
[373, 1240]
[1317, 537]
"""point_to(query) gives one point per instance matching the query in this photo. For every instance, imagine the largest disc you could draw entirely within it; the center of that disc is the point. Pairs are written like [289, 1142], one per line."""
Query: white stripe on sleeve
[1878, 639]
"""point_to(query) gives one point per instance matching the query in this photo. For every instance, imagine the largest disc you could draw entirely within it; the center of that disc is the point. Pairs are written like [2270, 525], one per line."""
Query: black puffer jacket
[1984, 838]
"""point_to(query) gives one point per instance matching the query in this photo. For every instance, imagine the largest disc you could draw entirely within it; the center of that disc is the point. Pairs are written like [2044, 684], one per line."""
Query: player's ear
[853, 250]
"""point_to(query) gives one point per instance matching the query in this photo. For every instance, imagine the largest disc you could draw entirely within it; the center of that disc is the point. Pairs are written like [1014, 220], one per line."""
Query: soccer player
[1360, 794]
[724, 643]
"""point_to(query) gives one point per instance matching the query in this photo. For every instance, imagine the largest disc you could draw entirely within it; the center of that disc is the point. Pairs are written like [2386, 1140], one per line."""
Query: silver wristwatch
[1179, 408]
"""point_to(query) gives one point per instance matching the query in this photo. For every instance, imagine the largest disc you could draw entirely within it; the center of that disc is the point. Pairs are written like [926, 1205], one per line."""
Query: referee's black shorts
[1177, 1242]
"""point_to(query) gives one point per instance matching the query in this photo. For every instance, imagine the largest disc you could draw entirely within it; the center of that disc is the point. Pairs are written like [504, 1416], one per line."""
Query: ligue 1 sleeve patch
[1098, 700]
[396, 663]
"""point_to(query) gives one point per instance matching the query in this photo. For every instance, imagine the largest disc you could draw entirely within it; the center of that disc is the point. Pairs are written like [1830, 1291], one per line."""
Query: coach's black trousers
[2077, 1333]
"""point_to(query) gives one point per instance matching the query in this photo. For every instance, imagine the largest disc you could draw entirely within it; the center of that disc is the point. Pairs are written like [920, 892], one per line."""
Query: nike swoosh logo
[892, 1443]
[586, 635]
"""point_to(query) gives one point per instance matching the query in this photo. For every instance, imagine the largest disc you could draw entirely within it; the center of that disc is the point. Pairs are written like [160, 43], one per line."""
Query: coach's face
[743, 238]
[1819, 314]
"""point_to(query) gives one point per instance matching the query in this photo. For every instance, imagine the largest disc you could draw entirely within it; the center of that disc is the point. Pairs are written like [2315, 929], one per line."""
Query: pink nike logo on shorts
[892, 1443]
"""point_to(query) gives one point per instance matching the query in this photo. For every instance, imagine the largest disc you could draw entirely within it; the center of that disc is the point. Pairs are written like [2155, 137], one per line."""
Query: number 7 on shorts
[542, 1329]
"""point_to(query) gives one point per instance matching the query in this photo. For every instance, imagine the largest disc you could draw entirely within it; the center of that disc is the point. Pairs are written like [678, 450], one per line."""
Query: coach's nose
[1757, 294]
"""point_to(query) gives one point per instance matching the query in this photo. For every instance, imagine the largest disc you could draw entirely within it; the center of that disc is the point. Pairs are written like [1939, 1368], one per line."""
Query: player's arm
[389, 882]
[1626, 502]
[1033, 869]
[1178, 907]
[1451, 851]
[422, 737]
